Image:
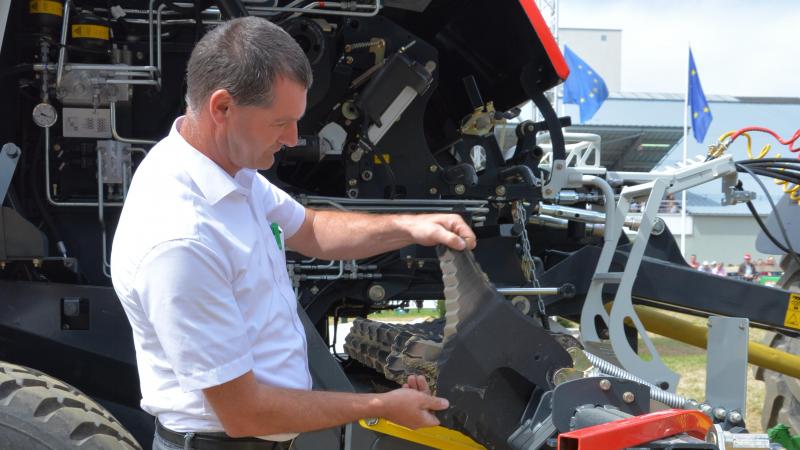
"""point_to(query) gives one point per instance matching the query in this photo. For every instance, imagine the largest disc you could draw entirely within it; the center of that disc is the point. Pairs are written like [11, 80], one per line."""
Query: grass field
[686, 360]
[411, 314]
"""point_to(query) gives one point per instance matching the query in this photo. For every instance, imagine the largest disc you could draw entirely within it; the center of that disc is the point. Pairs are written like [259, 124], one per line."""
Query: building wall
[601, 49]
[722, 238]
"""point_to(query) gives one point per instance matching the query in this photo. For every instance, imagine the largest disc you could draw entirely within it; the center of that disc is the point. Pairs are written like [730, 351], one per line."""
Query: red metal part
[625, 433]
[547, 39]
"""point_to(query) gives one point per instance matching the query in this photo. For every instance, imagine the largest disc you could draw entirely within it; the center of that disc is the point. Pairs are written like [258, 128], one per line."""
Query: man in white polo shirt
[198, 259]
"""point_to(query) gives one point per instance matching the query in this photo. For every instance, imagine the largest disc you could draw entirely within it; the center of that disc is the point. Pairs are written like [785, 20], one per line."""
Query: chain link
[528, 265]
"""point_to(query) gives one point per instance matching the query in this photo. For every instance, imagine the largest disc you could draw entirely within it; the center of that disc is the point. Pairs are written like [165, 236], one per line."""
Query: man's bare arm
[248, 408]
[342, 235]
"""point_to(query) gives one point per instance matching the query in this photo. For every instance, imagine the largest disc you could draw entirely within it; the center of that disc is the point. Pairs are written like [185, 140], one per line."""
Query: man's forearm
[342, 235]
[296, 411]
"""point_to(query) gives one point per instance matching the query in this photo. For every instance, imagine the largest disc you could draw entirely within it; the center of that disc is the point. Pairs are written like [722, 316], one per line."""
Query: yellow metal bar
[436, 437]
[674, 328]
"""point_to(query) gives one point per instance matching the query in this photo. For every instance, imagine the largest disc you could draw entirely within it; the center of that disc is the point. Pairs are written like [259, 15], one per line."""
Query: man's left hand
[446, 229]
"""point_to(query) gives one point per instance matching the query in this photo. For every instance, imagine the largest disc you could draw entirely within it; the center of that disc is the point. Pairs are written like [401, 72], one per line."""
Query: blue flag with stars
[698, 105]
[584, 87]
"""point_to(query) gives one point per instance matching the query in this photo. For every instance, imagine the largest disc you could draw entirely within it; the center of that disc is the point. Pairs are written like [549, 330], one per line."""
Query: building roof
[665, 111]
[711, 98]
[632, 148]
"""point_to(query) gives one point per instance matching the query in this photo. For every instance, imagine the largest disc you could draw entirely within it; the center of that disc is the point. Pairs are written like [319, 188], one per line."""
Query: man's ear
[219, 104]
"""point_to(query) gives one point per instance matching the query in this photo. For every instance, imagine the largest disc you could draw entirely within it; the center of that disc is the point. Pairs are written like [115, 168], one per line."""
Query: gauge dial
[44, 115]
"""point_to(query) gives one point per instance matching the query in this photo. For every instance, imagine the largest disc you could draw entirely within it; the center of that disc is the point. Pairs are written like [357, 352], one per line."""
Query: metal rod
[758, 354]
[150, 28]
[414, 209]
[45, 56]
[115, 134]
[134, 82]
[373, 201]
[528, 291]
[117, 69]
[158, 41]
[62, 52]
[311, 8]
[101, 215]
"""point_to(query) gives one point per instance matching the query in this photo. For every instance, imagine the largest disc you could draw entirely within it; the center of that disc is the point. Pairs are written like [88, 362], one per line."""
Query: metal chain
[528, 265]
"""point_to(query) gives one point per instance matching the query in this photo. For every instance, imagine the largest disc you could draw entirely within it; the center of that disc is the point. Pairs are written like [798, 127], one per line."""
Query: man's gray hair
[244, 56]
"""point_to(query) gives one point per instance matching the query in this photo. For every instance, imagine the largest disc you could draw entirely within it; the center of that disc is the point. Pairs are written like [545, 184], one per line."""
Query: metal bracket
[637, 430]
[9, 156]
[726, 366]
[655, 186]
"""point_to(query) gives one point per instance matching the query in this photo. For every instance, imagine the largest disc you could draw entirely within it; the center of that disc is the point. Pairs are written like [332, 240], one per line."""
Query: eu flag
[698, 105]
[584, 87]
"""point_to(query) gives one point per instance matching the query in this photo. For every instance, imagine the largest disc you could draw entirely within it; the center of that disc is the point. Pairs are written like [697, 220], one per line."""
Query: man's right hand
[412, 405]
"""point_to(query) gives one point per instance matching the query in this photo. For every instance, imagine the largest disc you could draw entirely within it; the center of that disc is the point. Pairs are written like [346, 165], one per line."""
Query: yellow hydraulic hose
[674, 328]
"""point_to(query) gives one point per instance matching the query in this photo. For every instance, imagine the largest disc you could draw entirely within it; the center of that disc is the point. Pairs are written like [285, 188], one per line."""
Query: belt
[217, 441]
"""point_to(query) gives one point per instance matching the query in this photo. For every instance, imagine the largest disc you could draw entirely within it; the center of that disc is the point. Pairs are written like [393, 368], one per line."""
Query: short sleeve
[282, 209]
[185, 290]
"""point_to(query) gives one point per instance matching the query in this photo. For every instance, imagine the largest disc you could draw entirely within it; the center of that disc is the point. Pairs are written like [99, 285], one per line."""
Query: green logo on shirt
[276, 231]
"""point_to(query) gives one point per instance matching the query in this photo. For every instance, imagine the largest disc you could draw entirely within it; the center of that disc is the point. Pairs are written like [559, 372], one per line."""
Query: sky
[742, 48]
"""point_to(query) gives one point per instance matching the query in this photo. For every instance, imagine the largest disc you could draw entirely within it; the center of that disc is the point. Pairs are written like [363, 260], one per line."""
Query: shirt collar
[213, 181]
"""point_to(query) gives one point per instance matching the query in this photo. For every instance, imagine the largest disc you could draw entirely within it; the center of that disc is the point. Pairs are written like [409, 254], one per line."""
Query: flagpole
[685, 157]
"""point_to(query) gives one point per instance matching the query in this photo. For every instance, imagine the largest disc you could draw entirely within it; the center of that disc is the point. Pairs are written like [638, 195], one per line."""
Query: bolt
[460, 189]
[2, 265]
[691, 404]
[559, 166]
[37, 262]
[500, 190]
[376, 292]
[735, 417]
[12, 151]
[433, 191]
[372, 421]
[743, 324]
[56, 147]
[529, 128]
[349, 60]
[314, 290]
[352, 182]
[433, 168]
[139, 55]
[605, 384]
[705, 408]
[628, 397]
[366, 175]
[548, 192]
[720, 413]
[352, 193]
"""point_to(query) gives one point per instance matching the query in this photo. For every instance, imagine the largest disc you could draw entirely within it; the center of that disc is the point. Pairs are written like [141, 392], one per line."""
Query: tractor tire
[38, 411]
[782, 392]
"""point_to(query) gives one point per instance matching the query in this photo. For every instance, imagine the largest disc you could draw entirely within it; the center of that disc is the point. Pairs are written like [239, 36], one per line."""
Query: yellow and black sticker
[792, 319]
[46, 7]
[87, 31]
[382, 158]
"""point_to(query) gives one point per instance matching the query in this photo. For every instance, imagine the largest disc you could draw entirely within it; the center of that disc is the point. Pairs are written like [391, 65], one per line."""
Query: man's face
[256, 133]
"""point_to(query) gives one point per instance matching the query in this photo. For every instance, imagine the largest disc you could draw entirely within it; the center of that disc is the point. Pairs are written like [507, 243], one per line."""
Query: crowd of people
[748, 270]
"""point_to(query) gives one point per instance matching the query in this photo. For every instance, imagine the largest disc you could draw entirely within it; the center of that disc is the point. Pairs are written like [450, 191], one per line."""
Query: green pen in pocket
[276, 231]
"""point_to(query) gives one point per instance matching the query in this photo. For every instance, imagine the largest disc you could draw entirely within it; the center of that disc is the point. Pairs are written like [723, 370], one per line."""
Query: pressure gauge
[44, 115]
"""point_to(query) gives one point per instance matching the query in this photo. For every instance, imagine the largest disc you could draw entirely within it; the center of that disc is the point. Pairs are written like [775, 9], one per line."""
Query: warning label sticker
[792, 319]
